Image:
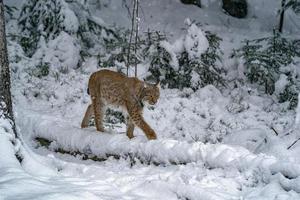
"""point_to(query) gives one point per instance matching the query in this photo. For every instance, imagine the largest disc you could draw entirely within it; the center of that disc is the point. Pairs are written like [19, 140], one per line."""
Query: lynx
[112, 88]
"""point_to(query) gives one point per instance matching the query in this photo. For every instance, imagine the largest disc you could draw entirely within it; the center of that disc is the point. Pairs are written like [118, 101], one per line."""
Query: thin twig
[131, 34]
[136, 35]
[276, 133]
[293, 143]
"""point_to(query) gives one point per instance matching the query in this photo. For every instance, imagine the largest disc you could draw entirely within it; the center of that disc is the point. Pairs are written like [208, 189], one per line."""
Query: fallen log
[42, 142]
[46, 143]
[89, 144]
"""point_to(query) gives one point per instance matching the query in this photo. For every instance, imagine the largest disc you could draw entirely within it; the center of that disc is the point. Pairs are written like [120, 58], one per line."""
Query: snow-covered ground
[176, 166]
[211, 145]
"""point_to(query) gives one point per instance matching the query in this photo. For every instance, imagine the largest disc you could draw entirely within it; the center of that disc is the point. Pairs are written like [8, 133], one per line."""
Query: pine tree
[266, 59]
[94, 37]
[193, 70]
[41, 18]
[116, 51]
[42, 22]
[9, 12]
[158, 58]
[207, 69]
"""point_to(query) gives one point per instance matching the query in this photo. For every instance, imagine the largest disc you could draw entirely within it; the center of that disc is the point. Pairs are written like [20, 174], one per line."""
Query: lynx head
[151, 93]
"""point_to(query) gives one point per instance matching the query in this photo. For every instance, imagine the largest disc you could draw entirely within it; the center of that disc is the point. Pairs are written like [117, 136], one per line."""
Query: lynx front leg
[139, 121]
[88, 114]
[130, 128]
[98, 110]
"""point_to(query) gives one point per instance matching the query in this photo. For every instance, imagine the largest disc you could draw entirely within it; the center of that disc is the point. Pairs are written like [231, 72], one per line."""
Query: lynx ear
[157, 84]
[145, 83]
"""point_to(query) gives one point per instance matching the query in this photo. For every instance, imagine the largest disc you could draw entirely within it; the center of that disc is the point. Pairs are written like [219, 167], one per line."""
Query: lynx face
[151, 94]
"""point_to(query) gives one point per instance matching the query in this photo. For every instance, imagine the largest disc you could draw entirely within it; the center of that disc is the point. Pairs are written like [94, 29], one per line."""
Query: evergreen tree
[9, 12]
[193, 70]
[266, 59]
[208, 69]
[94, 36]
[46, 19]
[42, 19]
[116, 51]
[159, 59]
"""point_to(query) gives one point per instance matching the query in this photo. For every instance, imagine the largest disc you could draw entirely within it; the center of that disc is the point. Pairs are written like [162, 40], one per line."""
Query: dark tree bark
[281, 16]
[5, 95]
[194, 2]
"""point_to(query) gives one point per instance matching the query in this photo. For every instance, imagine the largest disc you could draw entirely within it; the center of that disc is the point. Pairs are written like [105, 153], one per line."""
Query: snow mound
[62, 53]
[195, 42]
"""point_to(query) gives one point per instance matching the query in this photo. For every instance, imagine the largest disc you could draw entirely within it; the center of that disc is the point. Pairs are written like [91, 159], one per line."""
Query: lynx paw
[151, 136]
[83, 126]
[101, 129]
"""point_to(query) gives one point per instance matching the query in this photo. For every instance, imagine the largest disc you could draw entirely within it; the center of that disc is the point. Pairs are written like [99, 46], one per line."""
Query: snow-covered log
[92, 144]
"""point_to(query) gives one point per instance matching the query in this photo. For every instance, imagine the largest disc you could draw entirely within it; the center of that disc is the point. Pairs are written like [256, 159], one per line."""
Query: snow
[211, 144]
[164, 151]
[281, 84]
[210, 171]
[71, 23]
[62, 53]
[7, 155]
[195, 79]
[195, 42]
[172, 51]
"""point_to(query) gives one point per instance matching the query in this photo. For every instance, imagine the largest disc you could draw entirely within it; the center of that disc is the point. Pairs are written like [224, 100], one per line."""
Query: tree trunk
[5, 95]
[281, 16]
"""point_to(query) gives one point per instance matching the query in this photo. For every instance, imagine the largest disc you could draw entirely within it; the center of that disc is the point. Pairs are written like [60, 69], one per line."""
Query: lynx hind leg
[130, 128]
[88, 114]
[98, 111]
[139, 121]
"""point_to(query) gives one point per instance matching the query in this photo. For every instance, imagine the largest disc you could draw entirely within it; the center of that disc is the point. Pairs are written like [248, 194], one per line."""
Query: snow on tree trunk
[5, 95]
[7, 123]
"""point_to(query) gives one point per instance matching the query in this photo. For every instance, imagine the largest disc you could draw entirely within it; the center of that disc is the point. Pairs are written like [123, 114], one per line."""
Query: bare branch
[293, 143]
